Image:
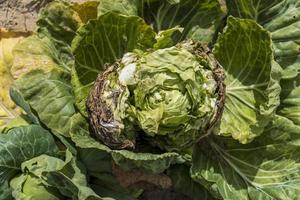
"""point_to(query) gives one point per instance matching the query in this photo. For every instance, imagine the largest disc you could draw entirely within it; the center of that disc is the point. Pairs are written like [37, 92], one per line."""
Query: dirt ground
[20, 15]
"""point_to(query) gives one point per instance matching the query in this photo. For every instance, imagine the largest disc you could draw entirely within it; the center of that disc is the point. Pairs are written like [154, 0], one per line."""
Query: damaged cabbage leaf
[267, 168]
[170, 94]
[252, 79]
[128, 160]
[102, 41]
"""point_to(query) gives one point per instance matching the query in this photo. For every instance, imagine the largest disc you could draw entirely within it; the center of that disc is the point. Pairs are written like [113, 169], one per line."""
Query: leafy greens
[119, 98]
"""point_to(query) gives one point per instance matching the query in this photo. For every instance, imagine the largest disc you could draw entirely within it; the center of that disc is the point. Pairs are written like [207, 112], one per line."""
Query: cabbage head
[168, 95]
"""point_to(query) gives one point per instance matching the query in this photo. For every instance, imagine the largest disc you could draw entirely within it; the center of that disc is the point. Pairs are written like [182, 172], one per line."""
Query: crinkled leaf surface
[21, 144]
[282, 19]
[267, 168]
[59, 20]
[128, 160]
[66, 176]
[103, 41]
[51, 98]
[290, 99]
[252, 79]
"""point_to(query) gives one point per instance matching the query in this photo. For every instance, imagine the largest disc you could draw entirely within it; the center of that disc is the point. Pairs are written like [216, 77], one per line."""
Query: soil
[20, 15]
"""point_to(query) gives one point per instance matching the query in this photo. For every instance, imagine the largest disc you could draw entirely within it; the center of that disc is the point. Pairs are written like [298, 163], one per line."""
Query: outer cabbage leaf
[268, 168]
[18, 145]
[128, 160]
[282, 19]
[66, 176]
[252, 79]
[59, 20]
[103, 41]
[19, 100]
[290, 99]
[50, 97]
[27, 187]
[50, 48]
[198, 18]
[38, 52]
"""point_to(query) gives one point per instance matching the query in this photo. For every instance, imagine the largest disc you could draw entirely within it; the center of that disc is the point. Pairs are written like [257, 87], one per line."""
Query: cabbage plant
[123, 98]
[173, 95]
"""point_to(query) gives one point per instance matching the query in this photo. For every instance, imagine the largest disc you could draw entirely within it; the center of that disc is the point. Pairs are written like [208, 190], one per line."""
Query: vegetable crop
[116, 99]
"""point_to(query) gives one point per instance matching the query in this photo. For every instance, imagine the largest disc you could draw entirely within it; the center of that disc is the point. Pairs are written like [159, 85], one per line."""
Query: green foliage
[50, 96]
[252, 79]
[282, 19]
[102, 73]
[148, 162]
[19, 145]
[263, 169]
[131, 33]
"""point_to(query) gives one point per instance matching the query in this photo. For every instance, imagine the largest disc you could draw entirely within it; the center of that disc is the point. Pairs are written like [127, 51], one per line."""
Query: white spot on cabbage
[126, 76]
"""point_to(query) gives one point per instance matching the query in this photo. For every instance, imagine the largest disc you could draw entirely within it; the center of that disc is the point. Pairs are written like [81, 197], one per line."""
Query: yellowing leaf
[8, 110]
[86, 10]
